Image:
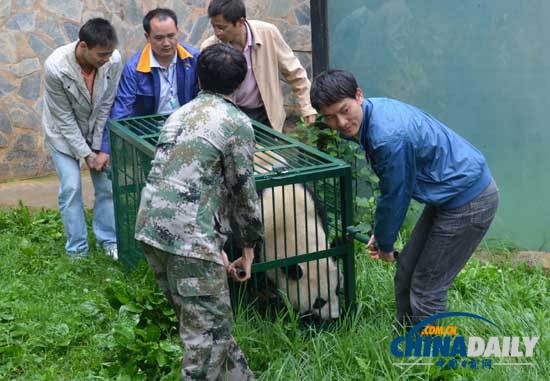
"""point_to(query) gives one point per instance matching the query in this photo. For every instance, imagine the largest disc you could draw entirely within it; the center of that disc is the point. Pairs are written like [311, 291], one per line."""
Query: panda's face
[319, 291]
[324, 309]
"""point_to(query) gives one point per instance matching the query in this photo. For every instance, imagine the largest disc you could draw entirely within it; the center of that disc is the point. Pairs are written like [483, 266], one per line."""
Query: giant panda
[289, 211]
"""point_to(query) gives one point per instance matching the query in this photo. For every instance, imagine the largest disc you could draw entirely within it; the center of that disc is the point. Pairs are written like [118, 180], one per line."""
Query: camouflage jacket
[201, 183]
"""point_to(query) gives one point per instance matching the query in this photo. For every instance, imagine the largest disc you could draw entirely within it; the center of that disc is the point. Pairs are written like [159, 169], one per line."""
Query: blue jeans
[72, 208]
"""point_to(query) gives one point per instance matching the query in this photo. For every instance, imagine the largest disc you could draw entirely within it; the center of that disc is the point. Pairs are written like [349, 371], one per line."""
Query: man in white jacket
[80, 85]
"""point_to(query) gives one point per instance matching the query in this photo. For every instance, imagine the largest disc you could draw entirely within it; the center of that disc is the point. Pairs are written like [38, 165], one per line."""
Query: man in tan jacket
[267, 56]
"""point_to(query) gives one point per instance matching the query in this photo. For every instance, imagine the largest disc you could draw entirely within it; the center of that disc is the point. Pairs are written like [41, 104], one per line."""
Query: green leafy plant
[145, 335]
[38, 227]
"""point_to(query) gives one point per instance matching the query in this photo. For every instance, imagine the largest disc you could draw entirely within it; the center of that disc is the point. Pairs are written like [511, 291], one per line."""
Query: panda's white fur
[312, 287]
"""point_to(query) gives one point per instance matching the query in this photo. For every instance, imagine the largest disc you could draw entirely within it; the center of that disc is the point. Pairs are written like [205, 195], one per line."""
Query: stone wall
[31, 29]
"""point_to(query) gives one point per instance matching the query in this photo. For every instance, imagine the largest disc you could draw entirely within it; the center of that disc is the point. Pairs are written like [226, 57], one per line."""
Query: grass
[92, 320]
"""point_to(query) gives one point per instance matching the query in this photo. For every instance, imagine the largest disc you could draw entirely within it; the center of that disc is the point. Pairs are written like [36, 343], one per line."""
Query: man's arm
[123, 105]
[239, 177]
[101, 130]
[395, 166]
[295, 75]
[62, 114]
[196, 87]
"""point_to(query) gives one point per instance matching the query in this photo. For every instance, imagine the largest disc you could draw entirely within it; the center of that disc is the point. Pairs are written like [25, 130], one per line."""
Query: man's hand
[225, 260]
[101, 160]
[373, 249]
[241, 269]
[386, 256]
[376, 254]
[310, 119]
[91, 161]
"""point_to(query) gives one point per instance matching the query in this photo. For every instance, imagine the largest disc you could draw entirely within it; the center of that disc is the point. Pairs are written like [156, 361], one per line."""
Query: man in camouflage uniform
[201, 184]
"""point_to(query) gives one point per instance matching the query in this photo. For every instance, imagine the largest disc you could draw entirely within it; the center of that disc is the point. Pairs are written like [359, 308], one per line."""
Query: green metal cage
[306, 261]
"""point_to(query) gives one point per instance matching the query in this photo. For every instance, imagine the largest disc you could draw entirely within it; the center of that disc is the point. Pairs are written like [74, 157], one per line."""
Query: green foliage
[41, 227]
[91, 319]
[67, 319]
[144, 336]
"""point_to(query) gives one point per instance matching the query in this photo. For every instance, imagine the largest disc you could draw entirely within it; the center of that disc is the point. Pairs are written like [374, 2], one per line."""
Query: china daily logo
[445, 343]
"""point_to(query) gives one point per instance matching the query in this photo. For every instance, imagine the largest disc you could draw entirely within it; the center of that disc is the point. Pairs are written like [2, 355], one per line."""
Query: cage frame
[124, 131]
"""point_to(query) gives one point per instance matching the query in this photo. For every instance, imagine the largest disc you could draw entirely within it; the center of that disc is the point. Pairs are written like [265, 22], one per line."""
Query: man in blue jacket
[416, 157]
[161, 77]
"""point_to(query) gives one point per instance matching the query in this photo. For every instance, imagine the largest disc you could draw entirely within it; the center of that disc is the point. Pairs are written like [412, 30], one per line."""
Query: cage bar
[309, 192]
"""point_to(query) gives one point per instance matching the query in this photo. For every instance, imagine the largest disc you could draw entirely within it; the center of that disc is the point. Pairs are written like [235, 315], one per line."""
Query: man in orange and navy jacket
[161, 77]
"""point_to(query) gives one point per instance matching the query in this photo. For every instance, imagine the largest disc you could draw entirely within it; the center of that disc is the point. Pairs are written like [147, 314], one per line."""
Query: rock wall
[31, 29]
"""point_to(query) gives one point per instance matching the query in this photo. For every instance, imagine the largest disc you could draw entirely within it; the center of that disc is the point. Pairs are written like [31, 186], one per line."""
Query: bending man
[201, 179]
[416, 157]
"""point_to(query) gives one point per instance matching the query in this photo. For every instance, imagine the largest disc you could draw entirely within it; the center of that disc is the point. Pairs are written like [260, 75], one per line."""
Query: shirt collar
[225, 97]
[73, 69]
[367, 109]
[155, 63]
[249, 37]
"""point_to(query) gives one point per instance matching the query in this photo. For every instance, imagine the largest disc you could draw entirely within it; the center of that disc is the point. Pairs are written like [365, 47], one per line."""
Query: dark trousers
[441, 243]
[258, 114]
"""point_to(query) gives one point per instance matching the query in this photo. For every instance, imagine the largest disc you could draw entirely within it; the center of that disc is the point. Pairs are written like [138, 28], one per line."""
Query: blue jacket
[139, 87]
[416, 156]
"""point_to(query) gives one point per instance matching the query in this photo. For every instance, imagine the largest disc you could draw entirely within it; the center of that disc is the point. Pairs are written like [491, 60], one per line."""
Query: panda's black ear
[295, 272]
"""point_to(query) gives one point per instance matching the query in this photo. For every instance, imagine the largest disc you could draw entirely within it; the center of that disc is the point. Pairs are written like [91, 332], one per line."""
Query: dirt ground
[41, 192]
[532, 258]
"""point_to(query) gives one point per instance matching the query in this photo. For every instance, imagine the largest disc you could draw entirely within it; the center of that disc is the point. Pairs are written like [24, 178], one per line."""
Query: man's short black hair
[98, 32]
[331, 87]
[221, 69]
[161, 14]
[231, 10]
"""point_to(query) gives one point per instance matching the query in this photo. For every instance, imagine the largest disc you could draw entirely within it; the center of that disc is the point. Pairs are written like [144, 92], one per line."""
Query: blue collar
[367, 110]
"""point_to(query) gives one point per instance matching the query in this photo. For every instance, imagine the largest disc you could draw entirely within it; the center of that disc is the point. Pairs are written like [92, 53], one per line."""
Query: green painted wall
[483, 68]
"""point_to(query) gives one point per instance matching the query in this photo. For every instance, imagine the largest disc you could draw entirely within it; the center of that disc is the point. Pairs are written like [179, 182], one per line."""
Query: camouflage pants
[199, 293]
